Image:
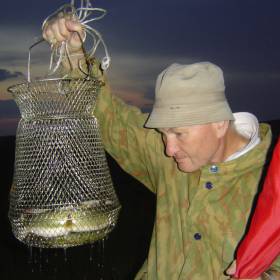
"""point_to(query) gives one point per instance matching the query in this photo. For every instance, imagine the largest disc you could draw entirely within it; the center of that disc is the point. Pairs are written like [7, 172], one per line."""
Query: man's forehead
[183, 128]
[174, 129]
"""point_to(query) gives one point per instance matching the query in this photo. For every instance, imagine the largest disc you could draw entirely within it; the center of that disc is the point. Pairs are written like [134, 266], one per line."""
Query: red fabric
[261, 244]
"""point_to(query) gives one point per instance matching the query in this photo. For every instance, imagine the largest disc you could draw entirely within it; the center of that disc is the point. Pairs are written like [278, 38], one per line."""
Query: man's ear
[221, 128]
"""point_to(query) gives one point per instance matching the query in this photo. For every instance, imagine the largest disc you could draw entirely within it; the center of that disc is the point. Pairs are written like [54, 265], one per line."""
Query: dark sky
[144, 37]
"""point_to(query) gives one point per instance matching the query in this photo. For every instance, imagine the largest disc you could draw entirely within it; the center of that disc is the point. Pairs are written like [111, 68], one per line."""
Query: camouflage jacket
[200, 216]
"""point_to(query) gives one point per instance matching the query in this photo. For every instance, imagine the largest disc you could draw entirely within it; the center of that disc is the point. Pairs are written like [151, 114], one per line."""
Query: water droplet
[30, 259]
[47, 258]
[40, 259]
[65, 254]
[90, 253]
[34, 256]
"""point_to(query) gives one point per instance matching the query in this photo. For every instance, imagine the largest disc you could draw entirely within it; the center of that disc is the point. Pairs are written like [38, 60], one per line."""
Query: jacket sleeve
[136, 149]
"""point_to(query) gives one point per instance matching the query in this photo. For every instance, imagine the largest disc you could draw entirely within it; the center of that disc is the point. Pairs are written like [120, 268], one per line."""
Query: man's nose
[170, 147]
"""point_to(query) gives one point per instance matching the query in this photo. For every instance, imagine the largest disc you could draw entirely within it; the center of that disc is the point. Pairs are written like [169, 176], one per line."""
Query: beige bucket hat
[188, 95]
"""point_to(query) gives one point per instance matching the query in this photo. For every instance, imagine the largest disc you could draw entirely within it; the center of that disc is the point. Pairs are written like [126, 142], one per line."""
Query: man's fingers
[77, 37]
[57, 32]
[49, 35]
[231, 270]
[64, 32]
[52, 34]
[74, 26]
[65, 29]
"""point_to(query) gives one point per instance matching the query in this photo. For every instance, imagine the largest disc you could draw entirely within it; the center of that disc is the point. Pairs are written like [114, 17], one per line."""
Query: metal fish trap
[62, 193]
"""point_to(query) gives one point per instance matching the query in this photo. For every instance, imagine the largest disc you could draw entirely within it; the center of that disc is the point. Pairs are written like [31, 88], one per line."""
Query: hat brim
[183, 115]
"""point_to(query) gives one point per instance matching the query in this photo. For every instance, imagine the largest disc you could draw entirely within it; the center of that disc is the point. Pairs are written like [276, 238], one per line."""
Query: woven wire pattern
[56, 98]
[62, 193]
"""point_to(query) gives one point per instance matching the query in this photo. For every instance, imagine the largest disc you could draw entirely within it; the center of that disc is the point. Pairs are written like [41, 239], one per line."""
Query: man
[202, 162]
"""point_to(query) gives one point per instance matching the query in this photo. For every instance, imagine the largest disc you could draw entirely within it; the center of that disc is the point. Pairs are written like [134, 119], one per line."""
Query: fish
[66, 220]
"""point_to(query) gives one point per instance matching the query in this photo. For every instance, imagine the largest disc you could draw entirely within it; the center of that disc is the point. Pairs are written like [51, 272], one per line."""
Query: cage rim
[12, 88]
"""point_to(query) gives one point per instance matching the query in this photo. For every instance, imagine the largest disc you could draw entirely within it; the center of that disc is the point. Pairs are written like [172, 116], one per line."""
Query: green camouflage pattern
[185, 207]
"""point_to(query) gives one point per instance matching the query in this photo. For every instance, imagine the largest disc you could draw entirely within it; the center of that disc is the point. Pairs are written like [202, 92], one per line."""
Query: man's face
[193, 146]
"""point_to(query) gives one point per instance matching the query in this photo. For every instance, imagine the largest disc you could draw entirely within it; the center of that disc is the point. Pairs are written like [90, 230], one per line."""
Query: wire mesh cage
[62, 193]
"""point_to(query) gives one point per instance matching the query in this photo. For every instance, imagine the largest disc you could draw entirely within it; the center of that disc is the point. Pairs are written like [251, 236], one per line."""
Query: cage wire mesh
[62, 193]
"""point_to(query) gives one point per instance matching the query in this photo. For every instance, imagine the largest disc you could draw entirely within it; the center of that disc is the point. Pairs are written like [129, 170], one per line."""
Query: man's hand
[64, 28]
[231, 270]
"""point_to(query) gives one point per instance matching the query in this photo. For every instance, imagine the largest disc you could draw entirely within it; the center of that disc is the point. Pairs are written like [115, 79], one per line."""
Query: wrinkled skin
[195, 146]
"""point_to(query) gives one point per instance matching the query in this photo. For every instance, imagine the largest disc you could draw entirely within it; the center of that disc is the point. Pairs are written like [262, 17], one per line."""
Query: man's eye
[178, 134]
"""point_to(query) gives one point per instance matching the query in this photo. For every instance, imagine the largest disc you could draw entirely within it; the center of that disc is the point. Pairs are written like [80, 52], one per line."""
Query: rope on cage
[83, 14]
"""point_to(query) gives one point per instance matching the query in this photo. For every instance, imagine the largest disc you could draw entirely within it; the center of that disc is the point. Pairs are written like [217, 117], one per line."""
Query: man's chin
[186, 167]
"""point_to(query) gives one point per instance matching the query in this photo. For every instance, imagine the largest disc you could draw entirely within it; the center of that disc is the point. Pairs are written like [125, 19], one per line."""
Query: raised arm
[138, 150]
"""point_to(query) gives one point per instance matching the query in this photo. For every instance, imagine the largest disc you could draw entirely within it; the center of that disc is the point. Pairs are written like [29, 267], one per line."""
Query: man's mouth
[178, 159]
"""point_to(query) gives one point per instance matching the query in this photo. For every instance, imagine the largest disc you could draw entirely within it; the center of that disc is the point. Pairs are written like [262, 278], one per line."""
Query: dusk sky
[144, 37]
